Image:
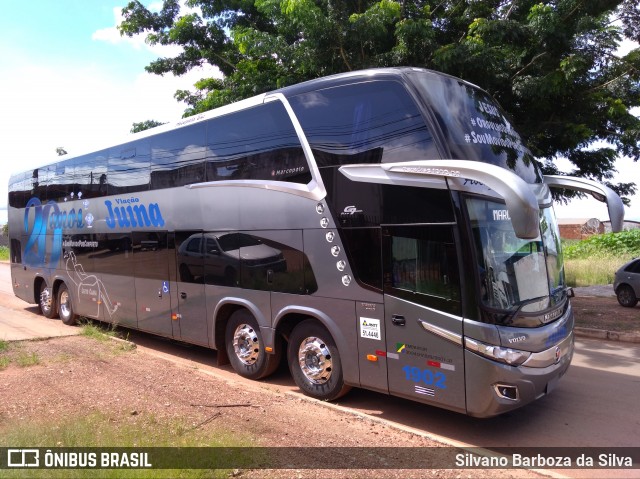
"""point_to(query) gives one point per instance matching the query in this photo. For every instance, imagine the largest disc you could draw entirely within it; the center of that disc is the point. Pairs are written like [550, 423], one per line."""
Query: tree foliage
[144, 125]
[552, 63]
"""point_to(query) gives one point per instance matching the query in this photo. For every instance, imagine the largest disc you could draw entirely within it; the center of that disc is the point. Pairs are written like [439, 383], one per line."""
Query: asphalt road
[595, 404]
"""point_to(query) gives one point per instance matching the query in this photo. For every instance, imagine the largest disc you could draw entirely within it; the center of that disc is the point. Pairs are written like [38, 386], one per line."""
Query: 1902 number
[418, 375]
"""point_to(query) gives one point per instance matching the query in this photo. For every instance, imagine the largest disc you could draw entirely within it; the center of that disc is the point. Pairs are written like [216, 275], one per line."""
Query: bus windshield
[516, 274]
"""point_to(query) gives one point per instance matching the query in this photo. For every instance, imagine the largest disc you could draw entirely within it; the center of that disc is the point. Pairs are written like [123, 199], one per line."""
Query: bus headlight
[512, 357]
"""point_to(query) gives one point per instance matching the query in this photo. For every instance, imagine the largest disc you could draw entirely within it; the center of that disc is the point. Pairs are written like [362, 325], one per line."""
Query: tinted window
[177, 157]
[369, 204]
[150, 255]
[421, 266]
[255, 144]
[114, 254]
[474, 126]
[370, 122]
[128, 168]
[79, 252]
[91, 174]
[633, 267]
[363, 247]
[19, 190]
[190, 257]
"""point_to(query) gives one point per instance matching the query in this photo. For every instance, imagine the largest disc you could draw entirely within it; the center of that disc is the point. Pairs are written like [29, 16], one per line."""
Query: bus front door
[425, 360]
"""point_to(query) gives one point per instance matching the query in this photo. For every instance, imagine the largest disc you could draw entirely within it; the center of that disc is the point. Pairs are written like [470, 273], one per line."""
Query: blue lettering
[133, 216]
[111, 222]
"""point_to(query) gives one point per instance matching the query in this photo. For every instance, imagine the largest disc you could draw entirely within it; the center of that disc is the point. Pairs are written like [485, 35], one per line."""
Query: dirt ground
[605, 313]
[77, 376]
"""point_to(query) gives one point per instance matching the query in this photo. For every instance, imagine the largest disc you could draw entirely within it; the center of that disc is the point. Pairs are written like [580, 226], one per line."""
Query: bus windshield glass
[474, 126]
[516, 274]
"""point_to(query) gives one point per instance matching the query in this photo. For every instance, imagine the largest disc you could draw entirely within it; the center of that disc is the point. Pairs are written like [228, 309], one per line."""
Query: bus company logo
[133, 216]
[45, 232]
[20, 458]
[351, 210]
[288, 171]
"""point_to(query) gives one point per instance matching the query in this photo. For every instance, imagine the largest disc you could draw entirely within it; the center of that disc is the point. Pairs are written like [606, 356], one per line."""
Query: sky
[68, 79]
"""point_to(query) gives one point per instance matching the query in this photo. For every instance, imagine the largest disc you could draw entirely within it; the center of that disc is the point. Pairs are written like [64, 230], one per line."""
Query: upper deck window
[474, 126]
[258, 143]
[370, 122]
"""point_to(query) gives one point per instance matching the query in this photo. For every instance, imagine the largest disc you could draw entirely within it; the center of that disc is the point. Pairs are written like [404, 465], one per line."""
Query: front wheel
[626, 296]
[315, 363]
[245, 347]
[65, 307]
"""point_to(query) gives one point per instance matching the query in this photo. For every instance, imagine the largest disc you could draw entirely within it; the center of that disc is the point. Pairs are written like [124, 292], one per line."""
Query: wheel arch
[223, 311]
[287, 318]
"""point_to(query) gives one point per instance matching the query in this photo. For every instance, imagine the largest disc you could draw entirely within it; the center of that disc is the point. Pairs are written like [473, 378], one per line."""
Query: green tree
[144, 125]
[552, 63]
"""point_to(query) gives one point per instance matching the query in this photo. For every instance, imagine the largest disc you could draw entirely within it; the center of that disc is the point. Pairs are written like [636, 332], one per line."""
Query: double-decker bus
[385, 229]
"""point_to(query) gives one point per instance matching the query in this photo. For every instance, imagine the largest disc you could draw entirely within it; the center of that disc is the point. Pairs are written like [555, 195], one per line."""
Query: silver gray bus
[385, 229]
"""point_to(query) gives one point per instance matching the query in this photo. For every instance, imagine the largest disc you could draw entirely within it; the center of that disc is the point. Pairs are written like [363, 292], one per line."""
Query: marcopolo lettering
[133, 216]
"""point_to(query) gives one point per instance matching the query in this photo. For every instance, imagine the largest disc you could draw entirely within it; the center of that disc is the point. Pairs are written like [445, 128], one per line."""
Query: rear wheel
[315, 363]
[245, 347]
[626, 296]
[47, 302]
[65, 307]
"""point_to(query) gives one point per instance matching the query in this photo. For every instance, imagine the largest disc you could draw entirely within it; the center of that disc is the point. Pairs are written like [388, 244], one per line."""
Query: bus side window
[421, 266]
[256, 144]
[369, 122]
[128, 168]
[177, 157]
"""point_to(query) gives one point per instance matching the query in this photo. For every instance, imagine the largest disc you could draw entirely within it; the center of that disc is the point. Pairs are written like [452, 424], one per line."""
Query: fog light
[506, 391]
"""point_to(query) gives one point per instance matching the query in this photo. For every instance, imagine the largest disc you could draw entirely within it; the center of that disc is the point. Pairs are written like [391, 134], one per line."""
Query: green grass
[4, 362]
[589, 272]
[595, 260]
[4, 345]
[97, 331]
[102, 430]
[4, 253]
[25, 360]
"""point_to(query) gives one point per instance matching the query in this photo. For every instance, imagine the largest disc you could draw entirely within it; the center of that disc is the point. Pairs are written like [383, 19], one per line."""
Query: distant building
[580, 228]
[627, 225]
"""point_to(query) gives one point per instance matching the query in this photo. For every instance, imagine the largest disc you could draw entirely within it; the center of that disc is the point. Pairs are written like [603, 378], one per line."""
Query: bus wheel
[245, 347]
[65, 308]
[315, 363]
[47, 302]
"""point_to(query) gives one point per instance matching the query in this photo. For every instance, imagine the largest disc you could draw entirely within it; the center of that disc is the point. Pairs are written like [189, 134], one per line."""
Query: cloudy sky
[69, 80]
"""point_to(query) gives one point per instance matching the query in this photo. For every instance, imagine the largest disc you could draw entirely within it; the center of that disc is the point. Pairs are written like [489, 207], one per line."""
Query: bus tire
[65, 306]
[245, 347]
[47, 302]
[315, 363]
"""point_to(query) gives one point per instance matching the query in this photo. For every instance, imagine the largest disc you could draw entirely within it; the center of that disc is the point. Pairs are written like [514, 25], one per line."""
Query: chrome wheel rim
[315, 361]
[65, 307]
[45, 300]
[246, 344]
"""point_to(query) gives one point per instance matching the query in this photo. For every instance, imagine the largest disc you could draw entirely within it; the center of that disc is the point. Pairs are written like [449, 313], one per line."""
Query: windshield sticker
[501, 215]
[370, 328]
